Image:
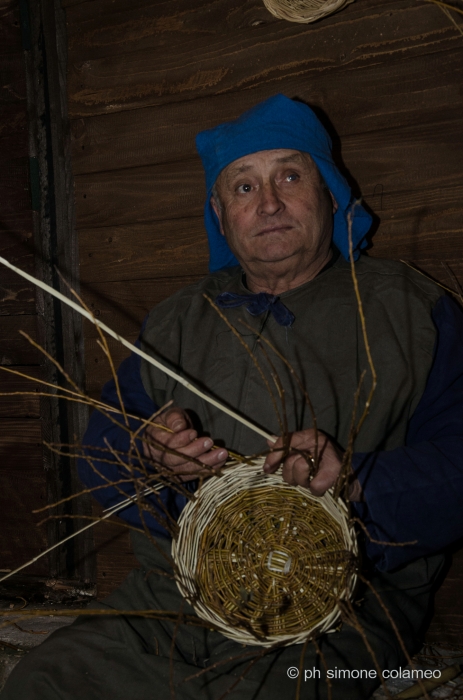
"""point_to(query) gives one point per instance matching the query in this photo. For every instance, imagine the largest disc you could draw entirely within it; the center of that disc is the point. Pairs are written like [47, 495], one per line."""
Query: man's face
[273, 207]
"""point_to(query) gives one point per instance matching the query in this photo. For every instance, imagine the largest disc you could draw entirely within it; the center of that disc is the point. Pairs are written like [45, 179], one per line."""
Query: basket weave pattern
[305, 11]
[264, 561]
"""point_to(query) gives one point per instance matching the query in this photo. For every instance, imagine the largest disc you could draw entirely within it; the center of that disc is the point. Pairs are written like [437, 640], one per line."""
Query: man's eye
[243, 189]
[292, 177]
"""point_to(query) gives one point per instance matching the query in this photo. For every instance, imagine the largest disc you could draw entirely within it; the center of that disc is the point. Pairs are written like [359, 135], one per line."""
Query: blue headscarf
[276, 123]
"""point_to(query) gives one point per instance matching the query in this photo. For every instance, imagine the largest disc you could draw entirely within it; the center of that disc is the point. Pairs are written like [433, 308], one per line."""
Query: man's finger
[211, 460]
[195, 449]
[176, 419]
[273, 459]
[324, 479]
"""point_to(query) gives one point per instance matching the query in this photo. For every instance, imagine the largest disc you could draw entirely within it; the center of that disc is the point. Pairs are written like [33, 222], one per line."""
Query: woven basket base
[304, 11]
[262, 560]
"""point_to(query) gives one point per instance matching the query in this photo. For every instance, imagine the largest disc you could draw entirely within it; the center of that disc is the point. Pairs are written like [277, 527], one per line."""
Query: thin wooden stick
[111, 511]
[446, 4]
[136, 350]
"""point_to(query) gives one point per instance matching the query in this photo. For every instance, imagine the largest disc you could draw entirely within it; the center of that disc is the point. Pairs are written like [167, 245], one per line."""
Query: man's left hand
[296, 468]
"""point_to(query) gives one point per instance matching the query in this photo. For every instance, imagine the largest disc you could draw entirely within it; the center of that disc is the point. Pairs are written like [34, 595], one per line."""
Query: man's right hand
[185, 440]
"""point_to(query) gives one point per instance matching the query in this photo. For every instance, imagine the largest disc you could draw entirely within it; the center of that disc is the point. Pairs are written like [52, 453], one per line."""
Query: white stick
[108, 511]
[136, 350]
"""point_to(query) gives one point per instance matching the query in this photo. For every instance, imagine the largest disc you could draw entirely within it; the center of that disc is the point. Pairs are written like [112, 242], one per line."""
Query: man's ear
[218, 210]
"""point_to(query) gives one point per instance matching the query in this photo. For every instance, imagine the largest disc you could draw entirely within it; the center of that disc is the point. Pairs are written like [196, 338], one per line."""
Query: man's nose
[270, 202]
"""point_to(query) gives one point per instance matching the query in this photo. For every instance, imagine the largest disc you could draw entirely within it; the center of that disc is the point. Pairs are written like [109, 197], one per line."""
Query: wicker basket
[263, 561]
[304, 10]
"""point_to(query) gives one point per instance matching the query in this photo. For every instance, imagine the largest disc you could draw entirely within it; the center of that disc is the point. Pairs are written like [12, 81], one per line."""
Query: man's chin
[274, 256]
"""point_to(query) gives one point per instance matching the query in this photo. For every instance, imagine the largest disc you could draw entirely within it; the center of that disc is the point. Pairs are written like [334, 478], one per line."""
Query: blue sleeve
[415, 492]
[94, 472]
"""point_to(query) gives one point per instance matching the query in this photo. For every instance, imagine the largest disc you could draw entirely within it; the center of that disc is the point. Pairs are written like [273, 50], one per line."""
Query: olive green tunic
[325, 347]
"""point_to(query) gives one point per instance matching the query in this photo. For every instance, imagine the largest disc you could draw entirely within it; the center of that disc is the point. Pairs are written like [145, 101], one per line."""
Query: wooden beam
[56, 249]
[172, 248]
[396, 94]
[376, 31]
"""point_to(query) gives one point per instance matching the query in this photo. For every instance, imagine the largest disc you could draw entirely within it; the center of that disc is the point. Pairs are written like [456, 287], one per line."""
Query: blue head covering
[276, 123]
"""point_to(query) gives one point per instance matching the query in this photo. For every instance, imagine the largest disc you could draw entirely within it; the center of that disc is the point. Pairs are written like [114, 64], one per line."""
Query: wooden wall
[22, 477]
[144, 76]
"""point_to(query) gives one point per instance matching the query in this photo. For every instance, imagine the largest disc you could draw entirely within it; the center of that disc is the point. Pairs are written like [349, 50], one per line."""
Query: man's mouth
[273, 229]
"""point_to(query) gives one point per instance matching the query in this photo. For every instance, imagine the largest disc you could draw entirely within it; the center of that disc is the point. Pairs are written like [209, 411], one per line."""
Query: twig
[111, 511]
[137, 351]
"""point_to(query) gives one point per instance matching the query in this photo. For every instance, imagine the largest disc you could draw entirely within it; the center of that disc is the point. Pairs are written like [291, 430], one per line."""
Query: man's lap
[121, 657]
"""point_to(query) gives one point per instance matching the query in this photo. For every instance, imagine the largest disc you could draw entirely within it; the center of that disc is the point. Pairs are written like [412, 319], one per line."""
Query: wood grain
[169, 248]
[138, 195]
[14, 348]
[394, 94]
[447, 623]
[22, 489]
[17, 296]
[14, 189]
[97, 369]
[20, 446]
[12, 79]
[10, 37]
[13, 118]
[352, 39]
[101, 29]
[20, 406]
[14, 145]
[115, 558]
[396, 159]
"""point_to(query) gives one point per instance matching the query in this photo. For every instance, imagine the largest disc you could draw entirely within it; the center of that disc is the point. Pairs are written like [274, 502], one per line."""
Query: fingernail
[177, 424]
[192, 435]
[207, 443]
[222, 454]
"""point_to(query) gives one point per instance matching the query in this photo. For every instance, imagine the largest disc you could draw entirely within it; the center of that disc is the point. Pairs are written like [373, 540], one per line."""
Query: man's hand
[185, 440]
[296, 469]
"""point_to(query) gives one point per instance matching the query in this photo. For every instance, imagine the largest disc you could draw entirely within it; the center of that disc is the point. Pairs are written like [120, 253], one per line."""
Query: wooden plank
[10, 35]
[22, 489]
[17, 296]
[97, 370]
[394, 159]
[115, 557]
[101, 29]
[20, 446]
[13, 118]
[14, 188]
[447, 623]
[245, 59]
[21, 538]
[12, 79]
[164, 249]
[140, 194]
[14, 349]
[398, 93]
[20, 406]
[408, 158]
[14, 145]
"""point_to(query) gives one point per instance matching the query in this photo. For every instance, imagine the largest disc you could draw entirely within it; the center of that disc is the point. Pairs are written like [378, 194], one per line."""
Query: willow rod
[136, 350]
[108, 513]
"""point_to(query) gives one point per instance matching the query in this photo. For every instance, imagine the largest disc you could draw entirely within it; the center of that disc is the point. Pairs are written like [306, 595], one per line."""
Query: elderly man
[277, 219]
